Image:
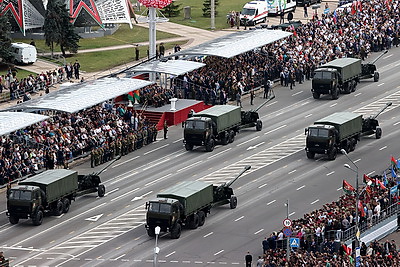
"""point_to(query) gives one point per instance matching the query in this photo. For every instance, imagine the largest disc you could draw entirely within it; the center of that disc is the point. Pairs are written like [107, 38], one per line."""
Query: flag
[334, 17]
[379, 182]
[361, 208]
[385, 181]
[134, 95]
[130, 96]
[353, 9]
[295, 34]
[394, 161]
[346, 249]
[368, 190]
[367, 179]
[394, 175]
[359, 6]
[347, 188]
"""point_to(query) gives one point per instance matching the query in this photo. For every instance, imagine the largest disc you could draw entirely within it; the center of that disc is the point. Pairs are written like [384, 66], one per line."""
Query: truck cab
[325, 81]
[164, 213]
[320, 139]
[197, 131]
[22, 202]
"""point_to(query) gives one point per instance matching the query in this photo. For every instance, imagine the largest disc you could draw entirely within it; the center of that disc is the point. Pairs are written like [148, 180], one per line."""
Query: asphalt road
[110, 231]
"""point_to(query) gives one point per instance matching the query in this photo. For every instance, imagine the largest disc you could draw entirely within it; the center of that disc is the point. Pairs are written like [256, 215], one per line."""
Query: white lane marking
[219, 153]
[219, 252]
[94, 218]
[368, 174]
[112, 191]
[170, 254]
[259, 231]
[292, 213]
[357, 160]
[388, 56]
[42, 231]
[357, 94]
[315, 201]
[122, 178]
[126, 161]
[117, 258]
[248, 141]
[334, 104]
[398, 64]
[238, 219]
[3, 212]
[269, 203]
[308, 115]
[123, 195]
[255, 146]
[158, 148]
[380, 84]
[297, 93]
[292, 172]
[382, 148]
[396, 123]
[340, 188]
[276, 129]
[179, 140]
[159, 179]
[189, 166]
[301, 187]
[208, 234]
[261, 186]
[330, 173]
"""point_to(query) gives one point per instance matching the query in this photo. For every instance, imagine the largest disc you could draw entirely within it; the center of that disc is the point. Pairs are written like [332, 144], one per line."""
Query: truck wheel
[332, 154]
[353, 143]
[378, 133]
[202, 217]
[310, 155]
[231, 136]
[194, 222]
[354, 86]
[225, 139]
[176, 231]
[101, 190]
[233, 202]
[151, 232]
[210, 145]
[189, 147]
[38, 218]
[58, 208]
[66, 205]
[13, 219]
[335, 94]
[316, 95]
[259, 125]
[376, 76]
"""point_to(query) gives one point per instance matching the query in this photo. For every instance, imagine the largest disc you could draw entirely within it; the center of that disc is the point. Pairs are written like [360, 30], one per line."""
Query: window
[323, 75]
[195, 124]
[160, 207]
[317, 132]
[20, 194]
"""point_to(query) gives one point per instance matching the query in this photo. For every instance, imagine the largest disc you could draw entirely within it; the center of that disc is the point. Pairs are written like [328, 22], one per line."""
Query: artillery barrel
[246, 168]
[381, 55]
[263, 104]
[385, 107]
[108, 165]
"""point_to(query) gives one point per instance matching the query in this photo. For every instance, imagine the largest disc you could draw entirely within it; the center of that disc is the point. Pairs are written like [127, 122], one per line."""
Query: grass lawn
[20, 74]
[124, 35]
[104, 60]
[224, 7]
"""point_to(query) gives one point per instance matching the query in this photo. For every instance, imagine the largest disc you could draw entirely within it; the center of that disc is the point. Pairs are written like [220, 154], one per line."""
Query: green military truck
[341, 130]
[50, 191]
[218, 124]
[187, 204]
[338, 76]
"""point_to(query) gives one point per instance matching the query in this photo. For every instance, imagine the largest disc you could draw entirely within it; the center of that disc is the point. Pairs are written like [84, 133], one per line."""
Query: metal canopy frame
[174, 67]
[12, 121]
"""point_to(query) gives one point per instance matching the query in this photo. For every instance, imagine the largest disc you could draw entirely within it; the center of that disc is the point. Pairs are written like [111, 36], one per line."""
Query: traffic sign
[294, 242]
[287, 232]
[287, 222]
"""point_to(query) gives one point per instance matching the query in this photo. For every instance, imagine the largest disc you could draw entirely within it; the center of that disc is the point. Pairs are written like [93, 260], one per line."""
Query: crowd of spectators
[155, 95]
[371, 26]
[52, 143]
[320, 230]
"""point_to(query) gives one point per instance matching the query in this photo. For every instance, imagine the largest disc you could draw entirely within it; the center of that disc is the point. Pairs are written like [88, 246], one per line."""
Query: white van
[24, 53]
[277, 7]
[253, 13]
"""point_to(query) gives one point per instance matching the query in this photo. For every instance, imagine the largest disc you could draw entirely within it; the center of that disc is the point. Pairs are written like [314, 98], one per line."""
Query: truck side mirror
[146, 205]
[305, 131]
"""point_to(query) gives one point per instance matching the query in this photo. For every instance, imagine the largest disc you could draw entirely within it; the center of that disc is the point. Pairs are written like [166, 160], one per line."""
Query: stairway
[155, 117]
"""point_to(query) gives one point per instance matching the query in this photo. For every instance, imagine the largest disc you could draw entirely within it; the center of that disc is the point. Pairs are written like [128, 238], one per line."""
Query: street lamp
[156, 248]
[357, 194]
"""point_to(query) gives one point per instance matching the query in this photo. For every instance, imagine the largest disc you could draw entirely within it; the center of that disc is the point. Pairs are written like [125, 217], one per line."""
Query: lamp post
[357, 193]
[156, 248]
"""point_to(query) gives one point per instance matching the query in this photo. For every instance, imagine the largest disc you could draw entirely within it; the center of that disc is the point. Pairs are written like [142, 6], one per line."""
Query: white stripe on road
[172, 253]
[219, 153]
[269, 203]
[330, 173]
[259, 231]
[382, 148]
[301, 187]
[315, 201]
[208, 234]
[158, 148]
[189, 166]
[261, 186]
[123, 195]
[248, 141]
[219, 252]
[276, 129]
[238, 219]
[292, 213]
[126, 161]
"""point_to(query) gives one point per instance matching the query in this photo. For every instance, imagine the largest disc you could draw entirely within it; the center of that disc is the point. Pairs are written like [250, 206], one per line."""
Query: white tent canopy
[12, 121]
[174, 67]
[235, 44]
[83, 95]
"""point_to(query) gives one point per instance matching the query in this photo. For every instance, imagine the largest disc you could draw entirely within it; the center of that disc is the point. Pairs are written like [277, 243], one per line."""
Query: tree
[207, 8]
[172, 10]
[5, 40]
[58, 28]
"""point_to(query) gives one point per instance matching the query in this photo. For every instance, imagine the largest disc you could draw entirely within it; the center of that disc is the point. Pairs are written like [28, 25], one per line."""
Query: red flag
[346, 249]
[359, 4]
[367, 179]
[353, 9]
[347, 188]
[361, 208]
[295, 34]
[368, 190]
[378, 182]
[394, 161]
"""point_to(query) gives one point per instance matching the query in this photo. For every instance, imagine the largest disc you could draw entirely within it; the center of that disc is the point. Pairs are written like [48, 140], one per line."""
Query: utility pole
[212, 14]
[288, 237]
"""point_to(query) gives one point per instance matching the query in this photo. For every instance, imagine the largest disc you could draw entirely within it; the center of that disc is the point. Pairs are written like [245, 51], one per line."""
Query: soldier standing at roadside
[165, 129]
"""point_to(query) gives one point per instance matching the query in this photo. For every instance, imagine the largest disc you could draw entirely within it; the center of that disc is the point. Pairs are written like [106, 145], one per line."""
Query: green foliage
[58, 28]
[172, 10]
[207, 8]
[5, 40]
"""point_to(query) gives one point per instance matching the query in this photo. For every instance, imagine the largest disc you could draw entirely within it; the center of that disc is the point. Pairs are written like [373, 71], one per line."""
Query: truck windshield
[317, 132]
[322, 75]
[20, 194]
[195, 124]
[160, 207]
[248, 12]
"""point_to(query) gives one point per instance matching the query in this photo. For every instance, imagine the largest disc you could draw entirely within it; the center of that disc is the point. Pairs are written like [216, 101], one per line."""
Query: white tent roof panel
[83, 95]
[175, 67]
[236, 43]
[12, 121]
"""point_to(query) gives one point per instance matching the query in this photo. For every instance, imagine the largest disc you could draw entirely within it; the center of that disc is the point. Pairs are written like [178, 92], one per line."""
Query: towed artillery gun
[370, 124]
[251, 118]
[368, 70]
[187, 204]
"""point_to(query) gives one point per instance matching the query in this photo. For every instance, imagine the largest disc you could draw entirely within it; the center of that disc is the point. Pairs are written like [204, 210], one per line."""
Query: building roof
[175, 67]
[12, 121]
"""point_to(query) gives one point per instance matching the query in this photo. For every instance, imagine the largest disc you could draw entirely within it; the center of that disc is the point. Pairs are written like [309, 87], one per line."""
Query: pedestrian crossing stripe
[294, 242]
